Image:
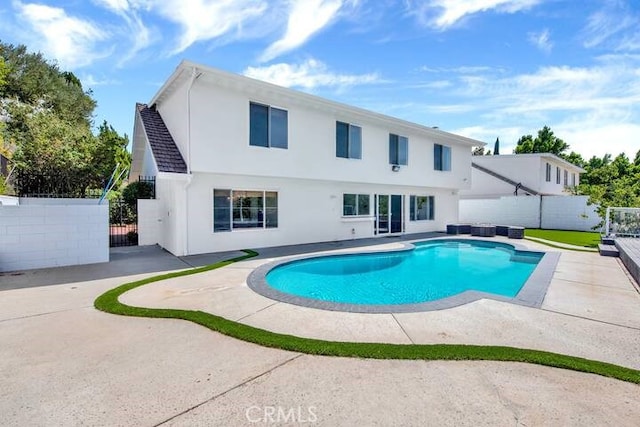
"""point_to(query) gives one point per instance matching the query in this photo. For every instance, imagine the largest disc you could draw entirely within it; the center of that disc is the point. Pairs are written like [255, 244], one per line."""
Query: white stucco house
[240, 163]
[542, 174]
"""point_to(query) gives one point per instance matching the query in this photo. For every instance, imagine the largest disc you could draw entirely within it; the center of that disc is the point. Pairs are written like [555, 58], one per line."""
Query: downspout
[194, 76]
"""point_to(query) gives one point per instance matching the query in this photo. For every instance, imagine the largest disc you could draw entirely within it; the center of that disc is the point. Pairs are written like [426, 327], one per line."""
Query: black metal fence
[53, 186]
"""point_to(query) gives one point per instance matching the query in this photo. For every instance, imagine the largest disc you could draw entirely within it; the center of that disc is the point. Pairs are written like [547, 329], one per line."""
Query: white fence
[550, 212]
[38, 233]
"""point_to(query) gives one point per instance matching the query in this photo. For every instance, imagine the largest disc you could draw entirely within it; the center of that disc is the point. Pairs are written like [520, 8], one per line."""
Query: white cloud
[89, 81]
[207, 19]
[72, 41]
[541, 40]
[615, 25]
[443, 14]
[595, 109]
[593, 138]
[309, 75]
[306, 17]
[137, 32]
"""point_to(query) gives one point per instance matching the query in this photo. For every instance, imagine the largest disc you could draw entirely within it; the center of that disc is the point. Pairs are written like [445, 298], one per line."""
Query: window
[398, 149]
[355, 204]
[268, 126]
[566, 178]
[441, 157]
[421, 208]
[548, 175]
[348, 141]
[236, 209]
[557, 175]
[573, 179]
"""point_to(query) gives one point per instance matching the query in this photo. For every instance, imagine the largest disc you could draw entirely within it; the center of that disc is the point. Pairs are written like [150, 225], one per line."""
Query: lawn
[578, 238]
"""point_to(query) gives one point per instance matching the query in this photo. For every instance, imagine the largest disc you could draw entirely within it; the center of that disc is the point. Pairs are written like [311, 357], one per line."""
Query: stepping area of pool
[591, 309]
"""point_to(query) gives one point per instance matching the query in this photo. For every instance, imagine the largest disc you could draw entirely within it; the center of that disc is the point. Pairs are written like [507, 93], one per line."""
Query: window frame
[350, 144]
[356, 205]
[396, 142]
[548, 172]
[266, 209]
[413, 208]
[441, 157]
[270, 127]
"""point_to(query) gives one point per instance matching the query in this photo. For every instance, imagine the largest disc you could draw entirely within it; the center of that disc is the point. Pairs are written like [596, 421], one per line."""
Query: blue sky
[481, 68]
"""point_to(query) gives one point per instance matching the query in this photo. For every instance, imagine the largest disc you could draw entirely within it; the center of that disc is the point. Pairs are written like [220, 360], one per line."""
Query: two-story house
[240, 163]
[520, 175]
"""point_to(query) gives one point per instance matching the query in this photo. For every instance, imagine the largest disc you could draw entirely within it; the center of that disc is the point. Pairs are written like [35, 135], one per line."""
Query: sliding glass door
[389, 214]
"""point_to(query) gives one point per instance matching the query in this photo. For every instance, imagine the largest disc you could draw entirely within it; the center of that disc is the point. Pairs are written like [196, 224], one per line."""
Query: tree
[111, 150]
[33, 81]
[47, 128]
[496, 147]
[545, 142]
[479, 151]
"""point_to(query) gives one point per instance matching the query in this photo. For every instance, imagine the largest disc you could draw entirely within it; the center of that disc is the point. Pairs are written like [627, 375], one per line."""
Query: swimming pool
[425, 272]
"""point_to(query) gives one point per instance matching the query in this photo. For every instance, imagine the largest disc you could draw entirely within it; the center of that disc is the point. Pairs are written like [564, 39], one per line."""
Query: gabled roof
[165, 151]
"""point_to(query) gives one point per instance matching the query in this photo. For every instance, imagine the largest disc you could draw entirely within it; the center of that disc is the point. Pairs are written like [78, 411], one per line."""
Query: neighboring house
[521, 174]
[241, 163]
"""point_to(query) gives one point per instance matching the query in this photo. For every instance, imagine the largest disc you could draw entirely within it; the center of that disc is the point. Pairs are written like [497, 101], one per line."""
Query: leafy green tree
[32, 80]
[545, 142]
[47, 126]
[480, 151]
[111, 151]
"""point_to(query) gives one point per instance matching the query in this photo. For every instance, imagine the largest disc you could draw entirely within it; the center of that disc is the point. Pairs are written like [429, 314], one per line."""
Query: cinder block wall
[53, 233]
[558, 212]
[569, 213]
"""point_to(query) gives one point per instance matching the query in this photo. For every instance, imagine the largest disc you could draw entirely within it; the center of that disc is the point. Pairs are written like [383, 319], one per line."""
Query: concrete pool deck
[591, 309]
[64, 363]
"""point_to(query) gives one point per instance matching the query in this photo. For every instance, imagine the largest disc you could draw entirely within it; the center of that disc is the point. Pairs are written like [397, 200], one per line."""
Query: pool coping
[531, 294]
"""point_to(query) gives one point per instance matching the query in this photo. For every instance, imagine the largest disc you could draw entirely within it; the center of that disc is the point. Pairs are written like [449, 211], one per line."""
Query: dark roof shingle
[165, 151]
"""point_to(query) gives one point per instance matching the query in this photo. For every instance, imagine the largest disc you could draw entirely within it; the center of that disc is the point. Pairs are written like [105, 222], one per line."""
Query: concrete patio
[64, 363]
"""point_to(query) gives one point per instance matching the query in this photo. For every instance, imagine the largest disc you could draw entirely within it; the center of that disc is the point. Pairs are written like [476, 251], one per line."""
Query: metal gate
[123, 223]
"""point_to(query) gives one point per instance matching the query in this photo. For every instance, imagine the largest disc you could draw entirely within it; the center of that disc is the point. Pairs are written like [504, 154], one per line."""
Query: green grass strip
[587, 239]
[551, 244]
[109, 303]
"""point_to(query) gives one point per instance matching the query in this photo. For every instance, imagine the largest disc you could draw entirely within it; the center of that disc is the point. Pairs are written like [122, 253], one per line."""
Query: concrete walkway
[64, 363]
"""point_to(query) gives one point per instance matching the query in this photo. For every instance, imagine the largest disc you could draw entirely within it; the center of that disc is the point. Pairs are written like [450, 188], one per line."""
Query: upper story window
[421, 208]
[548, 172]
[441, 157]
[566, 178]
[268, 126]
[348, 141]
[398, 149]
[557, 174]
[356, 204]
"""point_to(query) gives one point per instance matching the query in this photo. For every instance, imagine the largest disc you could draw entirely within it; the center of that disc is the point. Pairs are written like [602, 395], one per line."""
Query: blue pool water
[431, 271]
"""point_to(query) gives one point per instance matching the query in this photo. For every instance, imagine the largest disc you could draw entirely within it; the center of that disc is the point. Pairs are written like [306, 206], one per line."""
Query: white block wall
[558, 212]
[522, 211]
[51, 235]
[569, 213]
